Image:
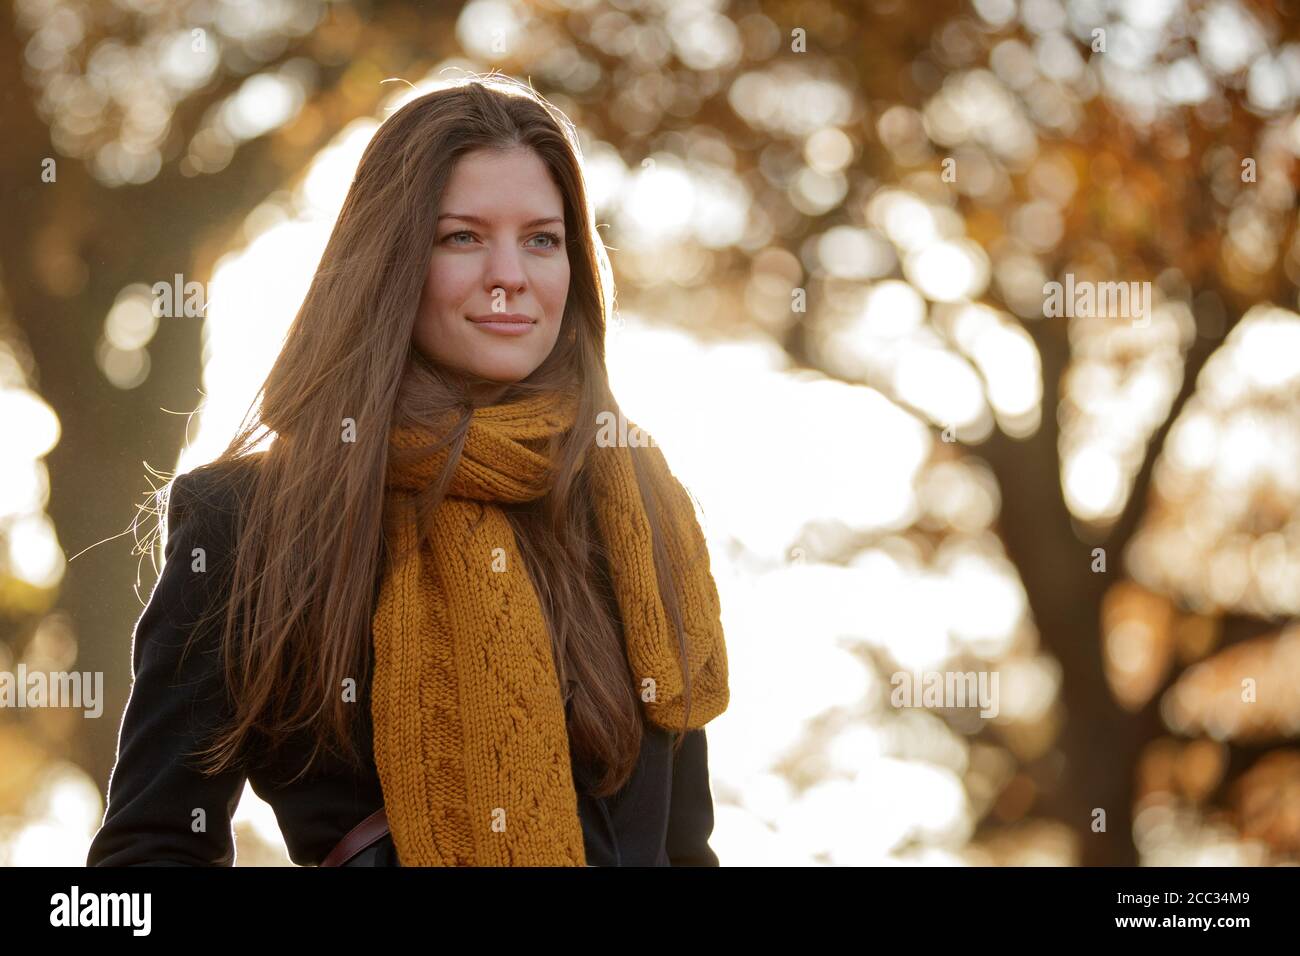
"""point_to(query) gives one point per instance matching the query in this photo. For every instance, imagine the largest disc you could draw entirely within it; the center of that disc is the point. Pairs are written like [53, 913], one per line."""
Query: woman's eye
[556, 241]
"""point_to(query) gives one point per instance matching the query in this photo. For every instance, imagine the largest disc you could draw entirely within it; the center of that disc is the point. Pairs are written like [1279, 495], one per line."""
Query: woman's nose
[504, 270]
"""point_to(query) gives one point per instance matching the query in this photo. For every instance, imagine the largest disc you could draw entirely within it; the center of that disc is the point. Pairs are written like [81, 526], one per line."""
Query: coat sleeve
[690, 809]
[154, 790]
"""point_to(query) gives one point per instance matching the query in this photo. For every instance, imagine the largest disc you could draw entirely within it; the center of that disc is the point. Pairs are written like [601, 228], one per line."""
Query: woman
[441, 592]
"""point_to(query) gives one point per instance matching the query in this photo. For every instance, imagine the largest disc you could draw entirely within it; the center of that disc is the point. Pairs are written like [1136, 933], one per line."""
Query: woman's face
[499, 254]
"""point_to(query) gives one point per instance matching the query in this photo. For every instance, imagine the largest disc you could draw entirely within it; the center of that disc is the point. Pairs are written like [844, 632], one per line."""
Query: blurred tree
[1131, 144]
[153, 120]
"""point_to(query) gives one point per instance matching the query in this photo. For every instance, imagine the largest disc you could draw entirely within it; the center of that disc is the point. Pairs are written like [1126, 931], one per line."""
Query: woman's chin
[493, 389]
[503, 376]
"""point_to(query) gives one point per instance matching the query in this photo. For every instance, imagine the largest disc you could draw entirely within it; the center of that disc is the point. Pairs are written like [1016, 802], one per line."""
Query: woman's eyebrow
[476, 219]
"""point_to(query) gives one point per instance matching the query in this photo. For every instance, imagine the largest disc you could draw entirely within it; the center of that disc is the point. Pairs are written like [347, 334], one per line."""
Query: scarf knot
[504, 459]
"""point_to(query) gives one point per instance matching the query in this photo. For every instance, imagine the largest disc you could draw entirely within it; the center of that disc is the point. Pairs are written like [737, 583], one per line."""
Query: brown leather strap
[362, 835]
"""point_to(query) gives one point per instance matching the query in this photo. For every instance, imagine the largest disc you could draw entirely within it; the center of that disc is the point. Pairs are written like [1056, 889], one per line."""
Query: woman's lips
[505, 324]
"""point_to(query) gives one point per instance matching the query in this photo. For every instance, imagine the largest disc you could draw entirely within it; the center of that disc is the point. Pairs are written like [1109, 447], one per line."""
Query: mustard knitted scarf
[470, 735]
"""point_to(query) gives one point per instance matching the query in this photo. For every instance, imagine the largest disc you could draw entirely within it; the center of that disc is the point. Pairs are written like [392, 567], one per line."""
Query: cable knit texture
[471, 742]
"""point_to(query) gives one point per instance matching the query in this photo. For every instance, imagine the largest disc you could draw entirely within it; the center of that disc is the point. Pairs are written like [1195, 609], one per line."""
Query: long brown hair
[311, 545]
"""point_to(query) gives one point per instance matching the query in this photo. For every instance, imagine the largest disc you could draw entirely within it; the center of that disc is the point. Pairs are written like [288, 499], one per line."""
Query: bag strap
[367, 832]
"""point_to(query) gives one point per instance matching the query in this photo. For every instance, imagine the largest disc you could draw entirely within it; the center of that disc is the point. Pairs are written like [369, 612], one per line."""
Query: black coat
[662, 817]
